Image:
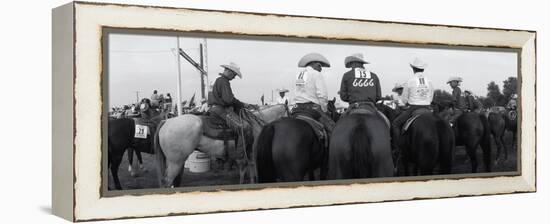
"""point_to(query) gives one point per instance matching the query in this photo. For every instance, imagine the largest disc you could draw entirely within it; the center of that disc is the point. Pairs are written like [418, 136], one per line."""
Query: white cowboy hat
[282, 90]
[313, 57]
[354, 58]
[454, 78]
[514, 96]
[233, 67]
[397, 86]
[418, 63]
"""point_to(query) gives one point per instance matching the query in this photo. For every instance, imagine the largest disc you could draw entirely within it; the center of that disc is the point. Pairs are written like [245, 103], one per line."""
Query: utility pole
[205, 67]
[137, 96]
[179, 112]
[203, 93]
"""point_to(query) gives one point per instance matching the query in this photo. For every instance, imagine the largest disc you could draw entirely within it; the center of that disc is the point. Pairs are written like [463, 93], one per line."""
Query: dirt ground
[148, 178]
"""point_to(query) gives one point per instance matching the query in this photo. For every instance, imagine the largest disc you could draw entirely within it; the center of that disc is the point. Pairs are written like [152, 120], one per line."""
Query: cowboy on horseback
[311, 90]
[458, 100]
[224, 104]
[471, 103]
[513, 103]
[418, 93]
[396, 95]
[359, 87]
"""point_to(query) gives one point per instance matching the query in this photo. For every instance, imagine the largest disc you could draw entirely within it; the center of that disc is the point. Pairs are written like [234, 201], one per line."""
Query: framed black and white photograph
[191, 110]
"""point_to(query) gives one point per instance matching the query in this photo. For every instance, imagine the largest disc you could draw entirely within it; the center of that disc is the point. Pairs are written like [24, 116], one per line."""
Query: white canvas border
[90, 18]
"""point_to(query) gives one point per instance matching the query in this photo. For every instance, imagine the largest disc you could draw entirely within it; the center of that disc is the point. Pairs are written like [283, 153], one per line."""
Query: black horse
[360, 148]
[497, 126]
[511, 124]
[428, 142]
[121, 138]
[472, 130]
[288, 149]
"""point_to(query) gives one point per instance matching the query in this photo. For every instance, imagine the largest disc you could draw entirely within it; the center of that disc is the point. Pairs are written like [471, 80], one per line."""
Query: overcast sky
[146, 62]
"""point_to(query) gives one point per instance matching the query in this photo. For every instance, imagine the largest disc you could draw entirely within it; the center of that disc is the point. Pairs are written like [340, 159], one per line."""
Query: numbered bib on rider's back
[362, 73]
[301, 78]
[141, 131]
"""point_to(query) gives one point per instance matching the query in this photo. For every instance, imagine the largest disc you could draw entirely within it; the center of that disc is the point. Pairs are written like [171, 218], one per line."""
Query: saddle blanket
[216, 128]
[415, 114]
[317, 127]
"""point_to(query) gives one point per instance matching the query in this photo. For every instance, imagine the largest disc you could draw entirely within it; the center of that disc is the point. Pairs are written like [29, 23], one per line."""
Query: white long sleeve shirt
[418, 90]
[311, 87]
[282, 100]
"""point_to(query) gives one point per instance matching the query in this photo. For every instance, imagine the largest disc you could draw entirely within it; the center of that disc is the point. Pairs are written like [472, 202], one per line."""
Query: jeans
[327, 122]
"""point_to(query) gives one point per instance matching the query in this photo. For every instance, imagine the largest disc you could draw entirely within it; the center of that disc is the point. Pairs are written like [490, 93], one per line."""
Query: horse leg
[311, 175]
[471, 150]
[173, 174]
[504, 147]
[140, 160]
[115, 163]
[130, 154]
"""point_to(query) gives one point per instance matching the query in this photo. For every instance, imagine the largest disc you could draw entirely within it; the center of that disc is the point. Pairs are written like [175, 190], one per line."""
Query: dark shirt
[457, 98]
[471, 103]
[222, 95]
[362, 88]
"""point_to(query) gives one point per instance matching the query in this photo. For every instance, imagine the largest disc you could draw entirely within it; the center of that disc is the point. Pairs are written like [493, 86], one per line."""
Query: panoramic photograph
[205, 110]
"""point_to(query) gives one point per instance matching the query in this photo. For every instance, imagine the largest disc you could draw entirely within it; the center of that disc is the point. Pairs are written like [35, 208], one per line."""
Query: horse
[497, 125]
[360, 147]
[121, 138]
[289, 148]
[511, 124]
[428, 142]
[472, 131]
[176, 138]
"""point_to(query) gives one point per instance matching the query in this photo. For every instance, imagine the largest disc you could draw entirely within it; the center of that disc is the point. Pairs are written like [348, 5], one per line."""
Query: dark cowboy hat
[354, 58]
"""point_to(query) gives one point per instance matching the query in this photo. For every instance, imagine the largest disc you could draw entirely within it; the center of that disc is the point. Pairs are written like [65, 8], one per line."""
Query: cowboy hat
[397, 86]
[418, 63]
[468, 91]
[233, 67]
[311, 57]
[454, 78]
[514, 96]
[354, 58]
[282, 90]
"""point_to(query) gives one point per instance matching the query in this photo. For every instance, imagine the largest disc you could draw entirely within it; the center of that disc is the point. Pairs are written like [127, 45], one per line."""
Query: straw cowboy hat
[397, 86]
[418, 63]
[354, 58]
[282, 90]
[233, 67]
[454, 78]
[311, 57]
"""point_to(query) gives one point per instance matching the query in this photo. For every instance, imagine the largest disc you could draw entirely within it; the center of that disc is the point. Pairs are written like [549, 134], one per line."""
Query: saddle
[318, 128]
[414, 115]
[367, 108]
[216, 128]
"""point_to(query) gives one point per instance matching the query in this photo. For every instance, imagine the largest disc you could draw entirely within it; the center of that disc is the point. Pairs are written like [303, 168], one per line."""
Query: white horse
[178, 137]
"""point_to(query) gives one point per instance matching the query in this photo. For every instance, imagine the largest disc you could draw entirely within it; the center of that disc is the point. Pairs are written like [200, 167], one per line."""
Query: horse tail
[361, 151]
[264, 155]
[159, 154]
[486, 142]
[446, 146]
